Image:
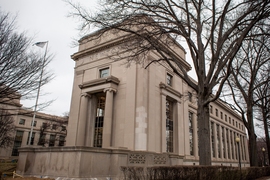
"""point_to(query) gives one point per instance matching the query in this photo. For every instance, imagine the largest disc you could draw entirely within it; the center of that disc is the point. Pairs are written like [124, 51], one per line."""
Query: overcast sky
[46, 20]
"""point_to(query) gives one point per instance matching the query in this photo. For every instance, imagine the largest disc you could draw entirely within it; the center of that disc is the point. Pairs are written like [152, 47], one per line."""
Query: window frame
[169, 126]
[103, 69]
[211, 109]
[34, 124]
[22, 120]
[189, 96]
[169, 79]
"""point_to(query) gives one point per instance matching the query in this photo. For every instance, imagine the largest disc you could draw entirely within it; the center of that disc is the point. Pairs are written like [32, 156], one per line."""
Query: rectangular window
[52, 140]
[22, 121]
[98, 134]
[104, 72]
[191, 144]
[217, 112]
[169, 79]
[225, 117]
[244, 149]
[223, 141]
[236, 153]
[231, 133]
[230, 120]
[228, 147]
[34, 124]
[61, 141]
[213, 140]
[189, 96]
[169, 126]
[54, 126]
[45, 125]
[236, 124]
[32, 138]
[233, 122]
[211, 109]
[221, 115]
[42, 139]
[63, 128]
[17, 143]
[218, 142]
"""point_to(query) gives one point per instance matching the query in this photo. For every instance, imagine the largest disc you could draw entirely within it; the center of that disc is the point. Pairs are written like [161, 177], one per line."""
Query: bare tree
[19, 66]
[213, 31]
[262, 155]
[247, 78]
[7, 129]
[263, 103]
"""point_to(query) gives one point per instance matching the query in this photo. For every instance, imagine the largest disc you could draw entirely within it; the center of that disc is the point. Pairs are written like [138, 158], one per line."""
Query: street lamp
[39, 44]
[263, 150]
[237, 139]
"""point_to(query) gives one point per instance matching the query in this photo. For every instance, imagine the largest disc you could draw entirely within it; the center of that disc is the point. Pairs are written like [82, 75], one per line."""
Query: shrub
[194, 173]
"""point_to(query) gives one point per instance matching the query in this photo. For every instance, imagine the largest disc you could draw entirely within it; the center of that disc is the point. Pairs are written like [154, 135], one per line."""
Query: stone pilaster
[195, 136]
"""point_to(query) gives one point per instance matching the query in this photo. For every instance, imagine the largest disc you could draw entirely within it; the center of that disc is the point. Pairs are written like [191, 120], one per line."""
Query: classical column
[81, 134]
[179, 130]
[108, 117]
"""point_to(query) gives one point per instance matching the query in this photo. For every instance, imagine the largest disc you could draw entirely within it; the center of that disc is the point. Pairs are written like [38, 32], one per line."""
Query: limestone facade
[54, 133]
[128, 115]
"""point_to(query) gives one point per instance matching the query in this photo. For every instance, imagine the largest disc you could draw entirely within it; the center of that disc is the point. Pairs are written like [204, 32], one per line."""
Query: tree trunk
[204, 131]
[252, 137]
[266, 134]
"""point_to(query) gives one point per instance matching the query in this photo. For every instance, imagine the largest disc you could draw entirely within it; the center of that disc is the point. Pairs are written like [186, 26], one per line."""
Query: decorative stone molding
[136, 159]
[160, 159]
[169, 89]
[86, 95]
[100, 81]
[110, 89]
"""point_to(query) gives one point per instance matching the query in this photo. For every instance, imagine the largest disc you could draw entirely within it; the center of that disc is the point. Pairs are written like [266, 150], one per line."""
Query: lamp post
[39, 44]
[263, 150]
[237, 139]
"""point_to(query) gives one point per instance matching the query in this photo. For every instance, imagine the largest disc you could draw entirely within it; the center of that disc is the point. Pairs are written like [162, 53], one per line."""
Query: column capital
[110, 89]
[86, 95]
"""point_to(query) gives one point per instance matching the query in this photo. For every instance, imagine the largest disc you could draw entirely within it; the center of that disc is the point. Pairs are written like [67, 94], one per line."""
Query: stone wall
[87, 162]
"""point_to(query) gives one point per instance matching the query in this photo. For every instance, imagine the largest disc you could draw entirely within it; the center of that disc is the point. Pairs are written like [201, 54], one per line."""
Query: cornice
[102, 46]
[170, 89]
[109, 79]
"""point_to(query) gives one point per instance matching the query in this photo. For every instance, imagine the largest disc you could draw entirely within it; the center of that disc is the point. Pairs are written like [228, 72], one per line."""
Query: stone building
[48, 130]
[132, 116]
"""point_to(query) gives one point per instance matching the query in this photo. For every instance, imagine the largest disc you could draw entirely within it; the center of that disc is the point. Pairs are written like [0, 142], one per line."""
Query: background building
[132, 116]
[48, 130]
